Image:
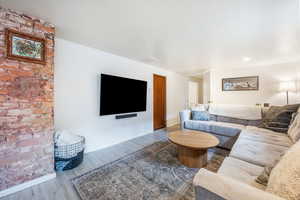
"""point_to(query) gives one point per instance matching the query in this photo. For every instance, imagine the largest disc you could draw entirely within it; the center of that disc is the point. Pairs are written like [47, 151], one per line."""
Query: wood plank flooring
[61, 188]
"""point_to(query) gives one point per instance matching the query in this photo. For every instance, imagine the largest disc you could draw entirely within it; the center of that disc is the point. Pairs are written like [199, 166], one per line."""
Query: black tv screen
[122, 95]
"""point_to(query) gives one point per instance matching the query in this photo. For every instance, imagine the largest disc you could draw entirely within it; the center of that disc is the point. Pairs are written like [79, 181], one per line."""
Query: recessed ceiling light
[246, 59]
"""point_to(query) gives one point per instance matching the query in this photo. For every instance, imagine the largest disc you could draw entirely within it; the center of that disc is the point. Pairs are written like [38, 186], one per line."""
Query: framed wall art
[25, 47]
[240, 83]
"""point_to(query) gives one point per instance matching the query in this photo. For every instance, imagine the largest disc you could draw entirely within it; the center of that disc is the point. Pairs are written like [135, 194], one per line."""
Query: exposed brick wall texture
[26, 106]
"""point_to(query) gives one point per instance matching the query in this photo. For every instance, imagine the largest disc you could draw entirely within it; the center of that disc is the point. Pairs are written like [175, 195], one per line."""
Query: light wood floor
[62, 189]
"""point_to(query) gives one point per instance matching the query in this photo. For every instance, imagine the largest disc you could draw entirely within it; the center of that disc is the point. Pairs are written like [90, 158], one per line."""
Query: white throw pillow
[294, 129]
[285, 177]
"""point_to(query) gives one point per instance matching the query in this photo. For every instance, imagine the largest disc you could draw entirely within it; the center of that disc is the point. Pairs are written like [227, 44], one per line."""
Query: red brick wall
[26, 106]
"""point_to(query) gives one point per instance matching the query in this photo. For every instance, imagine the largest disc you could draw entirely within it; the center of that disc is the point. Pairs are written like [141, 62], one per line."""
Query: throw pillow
[294, 130]
[278, 118]
[263, 178]
[200, 115]
[284, 178]
[293, 118]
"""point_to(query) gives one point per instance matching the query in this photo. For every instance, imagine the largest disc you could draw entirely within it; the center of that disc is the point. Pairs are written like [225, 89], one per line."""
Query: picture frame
[25, 47]
[249, 83]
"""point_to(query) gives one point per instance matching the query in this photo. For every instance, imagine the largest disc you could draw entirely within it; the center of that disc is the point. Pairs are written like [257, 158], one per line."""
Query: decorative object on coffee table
[193, 146]
[25, 47]
[240, 83]
[68, 150]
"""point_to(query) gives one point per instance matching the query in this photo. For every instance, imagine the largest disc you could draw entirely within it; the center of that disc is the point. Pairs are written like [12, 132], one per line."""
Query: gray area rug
[153, 173]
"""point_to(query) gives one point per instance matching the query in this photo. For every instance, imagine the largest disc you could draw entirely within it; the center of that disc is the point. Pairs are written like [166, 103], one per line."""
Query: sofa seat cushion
[241, 171]
[260, 130]
[221, 128]
[224, 128]
[197, 125]
[268, 136]
[258, 153]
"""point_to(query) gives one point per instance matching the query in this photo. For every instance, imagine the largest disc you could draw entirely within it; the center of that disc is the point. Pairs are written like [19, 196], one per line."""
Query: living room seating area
[254, 150]
[149, 100]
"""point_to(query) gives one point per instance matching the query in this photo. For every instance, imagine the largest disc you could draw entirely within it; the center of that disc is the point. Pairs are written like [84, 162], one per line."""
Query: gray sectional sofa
[225, 128]
[252, 149]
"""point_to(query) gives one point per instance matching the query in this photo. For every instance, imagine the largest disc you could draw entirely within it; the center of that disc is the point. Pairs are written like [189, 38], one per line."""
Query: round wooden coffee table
[192, 146]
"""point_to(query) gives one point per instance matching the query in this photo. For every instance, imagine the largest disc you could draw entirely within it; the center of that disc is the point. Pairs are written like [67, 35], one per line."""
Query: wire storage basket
[68, 156]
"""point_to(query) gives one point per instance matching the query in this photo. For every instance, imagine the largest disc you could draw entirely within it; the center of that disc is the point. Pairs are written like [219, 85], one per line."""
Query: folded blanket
[66, 138]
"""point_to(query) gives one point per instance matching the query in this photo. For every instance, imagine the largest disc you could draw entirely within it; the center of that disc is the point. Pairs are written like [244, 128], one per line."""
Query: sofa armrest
[210, 185]
[184, 116]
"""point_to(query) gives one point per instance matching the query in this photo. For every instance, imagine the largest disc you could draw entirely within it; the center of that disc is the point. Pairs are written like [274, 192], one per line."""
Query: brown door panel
[159, 101]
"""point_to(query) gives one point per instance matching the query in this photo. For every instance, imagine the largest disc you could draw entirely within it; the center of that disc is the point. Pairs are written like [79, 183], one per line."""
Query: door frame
[165, 101]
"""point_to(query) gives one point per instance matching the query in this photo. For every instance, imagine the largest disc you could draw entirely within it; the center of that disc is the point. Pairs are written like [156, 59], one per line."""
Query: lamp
[287, 87]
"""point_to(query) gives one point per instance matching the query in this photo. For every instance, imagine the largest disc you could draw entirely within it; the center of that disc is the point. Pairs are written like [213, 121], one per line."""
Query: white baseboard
[27, 184]
[172, 122]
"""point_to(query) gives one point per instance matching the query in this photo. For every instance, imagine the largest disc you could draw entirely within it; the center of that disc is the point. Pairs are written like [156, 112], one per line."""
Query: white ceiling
[187, 36]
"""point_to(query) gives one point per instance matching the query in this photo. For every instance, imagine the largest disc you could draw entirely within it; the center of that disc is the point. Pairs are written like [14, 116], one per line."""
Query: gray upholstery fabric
[242, 171]
[204, 194]
[223, 131]
[254, 122]
[230, 188]
[225, 141]
[220, 128]
[266, 136]
[197, 125]
[278, 118]
[263, 178]
[258, 153]
[237, 121]
[213, 117]
[200, 115]
[227, 129]
[232, 120]
[184, 116]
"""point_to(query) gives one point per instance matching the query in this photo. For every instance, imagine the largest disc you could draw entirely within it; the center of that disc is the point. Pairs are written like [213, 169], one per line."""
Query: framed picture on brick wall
[25, 47]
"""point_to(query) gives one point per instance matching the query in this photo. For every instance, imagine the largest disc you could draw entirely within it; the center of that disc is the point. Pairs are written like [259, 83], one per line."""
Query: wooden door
[159, 101]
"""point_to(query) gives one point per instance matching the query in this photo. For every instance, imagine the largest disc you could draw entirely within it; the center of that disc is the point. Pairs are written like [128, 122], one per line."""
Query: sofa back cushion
[285, 177]
[236, 111]
[278, 118]
[232, 120]
[200, 115]
[294, 129]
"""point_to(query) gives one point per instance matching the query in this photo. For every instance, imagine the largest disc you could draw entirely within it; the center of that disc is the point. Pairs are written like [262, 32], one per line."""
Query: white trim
[172, 122]
[27, 184]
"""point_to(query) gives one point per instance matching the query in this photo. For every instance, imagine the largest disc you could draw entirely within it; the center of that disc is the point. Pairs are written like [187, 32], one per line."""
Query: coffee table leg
[192, 158]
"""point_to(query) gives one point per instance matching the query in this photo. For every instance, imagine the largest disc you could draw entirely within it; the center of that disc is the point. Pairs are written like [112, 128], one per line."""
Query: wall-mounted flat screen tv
[122, 95]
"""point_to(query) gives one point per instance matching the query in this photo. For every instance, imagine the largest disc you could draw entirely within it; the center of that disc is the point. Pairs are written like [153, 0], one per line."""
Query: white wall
[206, 87]
[193, 93]
[77, 70]
[269, 79]
[199, 82]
